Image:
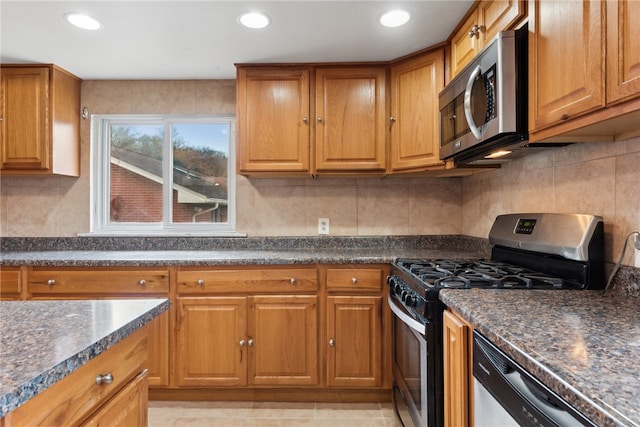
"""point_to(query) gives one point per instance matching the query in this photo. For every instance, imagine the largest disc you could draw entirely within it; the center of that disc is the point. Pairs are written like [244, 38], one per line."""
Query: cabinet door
[623, 50]
[273, 119]
[464, 44]
[456, 371]
[211, 341]
[415, 134]
[25, 136]
[566, 51]
[350, 122]
[127, 408]
[498, 15]
[283, 340]
[10, 283]
[354, 356]
[158, 362]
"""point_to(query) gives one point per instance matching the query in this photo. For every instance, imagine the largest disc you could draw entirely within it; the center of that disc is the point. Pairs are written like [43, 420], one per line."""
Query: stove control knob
[410, 301]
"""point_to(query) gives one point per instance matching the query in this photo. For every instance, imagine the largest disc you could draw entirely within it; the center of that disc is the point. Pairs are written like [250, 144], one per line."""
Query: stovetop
[476, 273]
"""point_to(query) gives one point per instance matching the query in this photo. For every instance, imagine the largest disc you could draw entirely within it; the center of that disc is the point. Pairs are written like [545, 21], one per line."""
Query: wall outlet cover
[323, 225]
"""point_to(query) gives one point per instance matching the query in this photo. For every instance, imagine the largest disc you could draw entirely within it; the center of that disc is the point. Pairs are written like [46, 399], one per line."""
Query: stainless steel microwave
[483, 110]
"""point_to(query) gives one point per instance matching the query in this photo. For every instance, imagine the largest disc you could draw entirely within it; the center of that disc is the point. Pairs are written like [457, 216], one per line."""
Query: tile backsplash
[596, 178]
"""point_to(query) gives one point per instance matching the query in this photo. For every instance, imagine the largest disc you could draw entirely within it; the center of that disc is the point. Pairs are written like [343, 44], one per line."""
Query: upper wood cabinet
[40, 127]
[584, 70]
[623, 50]
[414, 117]
[273, 119]
[483, 22]
[566, 54]
[350, 119]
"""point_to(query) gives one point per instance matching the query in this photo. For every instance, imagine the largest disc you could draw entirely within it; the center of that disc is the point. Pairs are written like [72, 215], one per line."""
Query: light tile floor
[270, 414]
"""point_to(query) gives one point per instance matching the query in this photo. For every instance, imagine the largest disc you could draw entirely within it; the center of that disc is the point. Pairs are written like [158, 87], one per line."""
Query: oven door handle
[406, 319]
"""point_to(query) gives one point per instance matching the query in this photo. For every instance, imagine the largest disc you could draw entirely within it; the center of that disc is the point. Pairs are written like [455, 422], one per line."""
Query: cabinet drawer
[354, 278]
[247, 280]
[98, 282]
[9, 284]
[76, 396]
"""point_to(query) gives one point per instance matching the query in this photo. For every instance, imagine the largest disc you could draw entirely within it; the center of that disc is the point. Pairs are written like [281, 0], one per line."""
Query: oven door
[410, 367]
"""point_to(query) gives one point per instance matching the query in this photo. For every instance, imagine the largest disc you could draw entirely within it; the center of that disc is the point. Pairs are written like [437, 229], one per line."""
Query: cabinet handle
[250, 342]
[305, 119]
[293, 281]
[475, 31]
[142, 282]
[392, 119]
[200, 282]
[319, 119]
[104, 379]
[332, 342]
[241, 343]
[354, 280]
[51, 282]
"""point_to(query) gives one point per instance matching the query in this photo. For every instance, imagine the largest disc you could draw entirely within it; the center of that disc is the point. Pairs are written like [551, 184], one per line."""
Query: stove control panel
[404, 293]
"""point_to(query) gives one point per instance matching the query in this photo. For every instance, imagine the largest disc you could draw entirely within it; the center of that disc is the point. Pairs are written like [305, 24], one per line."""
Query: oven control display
[525, 226]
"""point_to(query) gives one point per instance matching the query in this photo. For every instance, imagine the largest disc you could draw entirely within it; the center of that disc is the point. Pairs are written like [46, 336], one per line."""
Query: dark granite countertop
[224, 257]
[584, 345]
[43, 341]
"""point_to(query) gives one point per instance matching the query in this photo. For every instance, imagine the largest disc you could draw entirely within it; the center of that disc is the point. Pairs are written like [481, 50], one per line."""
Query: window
[162, 175]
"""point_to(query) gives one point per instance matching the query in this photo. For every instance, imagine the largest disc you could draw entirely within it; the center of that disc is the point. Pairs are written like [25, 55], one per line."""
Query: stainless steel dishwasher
[506, 395]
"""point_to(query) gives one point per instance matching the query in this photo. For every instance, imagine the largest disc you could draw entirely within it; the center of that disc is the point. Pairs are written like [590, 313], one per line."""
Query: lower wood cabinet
[10, 284]
[112, 283]
[456, 338]
[78, 399]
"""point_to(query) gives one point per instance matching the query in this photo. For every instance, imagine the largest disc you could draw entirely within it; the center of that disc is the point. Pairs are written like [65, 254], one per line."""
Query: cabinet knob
[393, 118]
[475, 31]
[200, 282]
[332, 342]
[293, 281]
[104, 379]
[250, 342]
[354, 280]
[51, 282]
[319, 119]
[305, 119]
[142, 282]
[241, 343]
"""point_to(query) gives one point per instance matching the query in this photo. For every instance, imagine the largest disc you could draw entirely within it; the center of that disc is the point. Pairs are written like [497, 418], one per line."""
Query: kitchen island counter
[584, 345]
[42, 342]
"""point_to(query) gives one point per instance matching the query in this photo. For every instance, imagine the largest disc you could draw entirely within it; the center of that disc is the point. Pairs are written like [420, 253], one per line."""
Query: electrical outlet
[323, 225]
[636, 244]
[636, 241]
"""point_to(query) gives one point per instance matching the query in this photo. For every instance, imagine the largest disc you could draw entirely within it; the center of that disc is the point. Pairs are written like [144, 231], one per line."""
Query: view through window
[163, 174]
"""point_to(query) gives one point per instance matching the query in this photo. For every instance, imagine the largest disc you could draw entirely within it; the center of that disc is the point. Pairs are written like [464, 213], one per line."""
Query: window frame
[100, 153]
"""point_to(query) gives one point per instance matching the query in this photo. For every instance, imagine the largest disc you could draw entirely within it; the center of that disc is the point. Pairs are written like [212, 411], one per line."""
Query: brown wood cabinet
[458, 376]
[78, 399]
[40, 126]
[355, 327]
[105, 283]
[253, 326]
[484, 21]
[585, 86]
[274, 132]
[350, 119]
[415, 133]
[10, 283]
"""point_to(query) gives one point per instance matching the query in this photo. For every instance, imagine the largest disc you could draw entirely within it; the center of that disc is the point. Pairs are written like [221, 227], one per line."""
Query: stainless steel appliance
[483, 109]
[529, 251]
[506, 395]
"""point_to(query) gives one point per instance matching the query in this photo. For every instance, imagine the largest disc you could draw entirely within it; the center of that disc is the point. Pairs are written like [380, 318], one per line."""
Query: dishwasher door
[507, 395]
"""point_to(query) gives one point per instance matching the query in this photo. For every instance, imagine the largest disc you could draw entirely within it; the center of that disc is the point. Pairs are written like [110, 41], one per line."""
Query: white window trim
[100, 160]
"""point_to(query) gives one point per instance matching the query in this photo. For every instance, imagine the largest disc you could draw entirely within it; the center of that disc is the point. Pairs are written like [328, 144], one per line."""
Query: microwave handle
[467, 103]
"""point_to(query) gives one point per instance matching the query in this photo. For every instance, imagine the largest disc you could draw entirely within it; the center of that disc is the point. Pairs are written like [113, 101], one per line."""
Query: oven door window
[409, 355]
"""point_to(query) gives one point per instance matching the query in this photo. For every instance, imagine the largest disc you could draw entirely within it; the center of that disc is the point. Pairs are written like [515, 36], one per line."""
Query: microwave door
[478, 101]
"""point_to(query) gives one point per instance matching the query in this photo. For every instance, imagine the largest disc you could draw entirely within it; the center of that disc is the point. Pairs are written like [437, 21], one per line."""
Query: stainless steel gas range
[529, 251]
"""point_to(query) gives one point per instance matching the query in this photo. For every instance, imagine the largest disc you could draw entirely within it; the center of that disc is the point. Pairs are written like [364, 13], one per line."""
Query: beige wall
[597, 178]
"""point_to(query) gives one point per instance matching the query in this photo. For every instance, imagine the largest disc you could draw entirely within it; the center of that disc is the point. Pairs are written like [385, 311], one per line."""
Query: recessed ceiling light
[254, 20]
[395, 18]
[85, 22]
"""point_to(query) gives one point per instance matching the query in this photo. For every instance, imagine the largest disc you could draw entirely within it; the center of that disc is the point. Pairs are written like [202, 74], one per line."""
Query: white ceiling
[202, 39]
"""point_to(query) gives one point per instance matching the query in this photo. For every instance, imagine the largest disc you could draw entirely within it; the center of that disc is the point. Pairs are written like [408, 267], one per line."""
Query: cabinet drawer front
[9, 283]
[99, 282]
[249, 280]
[354, 278]
[76, 396]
